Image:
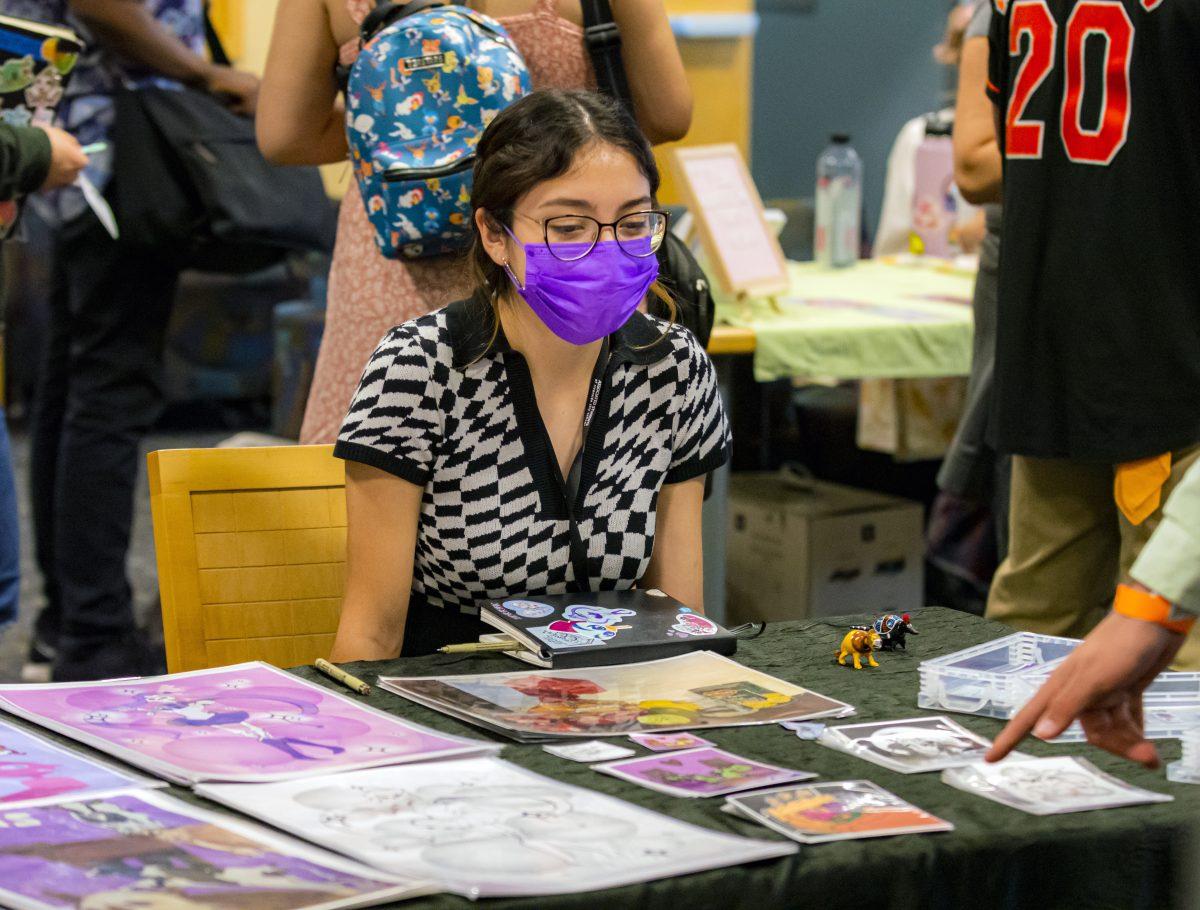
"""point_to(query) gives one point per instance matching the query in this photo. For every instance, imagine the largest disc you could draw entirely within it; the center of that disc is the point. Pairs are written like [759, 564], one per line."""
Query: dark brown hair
[537, 139]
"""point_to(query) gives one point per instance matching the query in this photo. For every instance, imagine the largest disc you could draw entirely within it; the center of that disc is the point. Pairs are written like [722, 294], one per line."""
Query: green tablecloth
[877, 319]
[1124, 859]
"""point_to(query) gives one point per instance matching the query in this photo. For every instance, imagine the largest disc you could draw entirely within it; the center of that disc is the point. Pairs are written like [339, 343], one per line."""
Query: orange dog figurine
[857, 644]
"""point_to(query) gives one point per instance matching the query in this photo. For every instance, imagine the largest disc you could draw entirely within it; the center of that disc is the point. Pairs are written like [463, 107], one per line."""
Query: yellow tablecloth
[897, 319]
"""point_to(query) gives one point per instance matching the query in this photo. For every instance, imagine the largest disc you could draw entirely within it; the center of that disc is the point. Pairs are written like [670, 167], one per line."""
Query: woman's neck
[549, 357]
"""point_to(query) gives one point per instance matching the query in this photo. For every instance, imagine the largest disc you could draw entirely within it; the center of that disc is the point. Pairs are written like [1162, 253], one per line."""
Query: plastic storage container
[996, 679]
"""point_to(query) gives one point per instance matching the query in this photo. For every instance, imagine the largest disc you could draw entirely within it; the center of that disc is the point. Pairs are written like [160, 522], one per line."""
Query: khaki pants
[1070, 545]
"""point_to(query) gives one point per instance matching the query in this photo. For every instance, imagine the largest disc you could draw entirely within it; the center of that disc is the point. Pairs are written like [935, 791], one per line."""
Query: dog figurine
[859, 643]
[892, 630]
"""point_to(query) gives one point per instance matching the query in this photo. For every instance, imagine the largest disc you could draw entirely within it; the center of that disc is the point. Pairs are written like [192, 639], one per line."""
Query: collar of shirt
[470, 323]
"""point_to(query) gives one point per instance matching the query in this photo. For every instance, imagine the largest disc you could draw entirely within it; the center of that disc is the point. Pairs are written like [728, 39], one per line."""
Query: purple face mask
[584, 300]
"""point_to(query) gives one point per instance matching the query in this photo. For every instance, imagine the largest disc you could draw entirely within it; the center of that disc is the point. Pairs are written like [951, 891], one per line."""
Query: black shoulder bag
[677, 267]
[188, 177]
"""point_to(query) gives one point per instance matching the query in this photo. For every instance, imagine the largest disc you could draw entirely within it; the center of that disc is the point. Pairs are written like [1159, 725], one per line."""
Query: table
[1126, 858]
[889, 318]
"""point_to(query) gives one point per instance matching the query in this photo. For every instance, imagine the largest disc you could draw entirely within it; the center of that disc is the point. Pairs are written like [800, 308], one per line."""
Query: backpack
[428, 80]
[678, 269]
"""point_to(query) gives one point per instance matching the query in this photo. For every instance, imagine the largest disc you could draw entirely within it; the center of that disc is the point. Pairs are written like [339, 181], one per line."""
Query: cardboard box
[799, 547]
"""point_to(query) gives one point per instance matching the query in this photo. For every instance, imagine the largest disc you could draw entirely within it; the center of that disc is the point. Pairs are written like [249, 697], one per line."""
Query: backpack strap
[603, 41]
[379, 18]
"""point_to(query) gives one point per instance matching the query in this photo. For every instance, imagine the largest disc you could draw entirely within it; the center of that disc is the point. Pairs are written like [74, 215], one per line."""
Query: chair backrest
[251, 547]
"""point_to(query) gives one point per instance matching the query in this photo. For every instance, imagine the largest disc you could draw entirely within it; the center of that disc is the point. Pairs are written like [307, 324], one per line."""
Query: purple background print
[693, 762]
[68, 852]
[249, 720]
[32, 769]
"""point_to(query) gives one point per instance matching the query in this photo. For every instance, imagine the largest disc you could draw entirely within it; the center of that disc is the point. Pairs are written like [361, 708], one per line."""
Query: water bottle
[839, 203]
[935, 207]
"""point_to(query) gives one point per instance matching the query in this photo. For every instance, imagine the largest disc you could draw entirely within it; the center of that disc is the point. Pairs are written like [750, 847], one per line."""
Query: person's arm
[300, 119]
[662, 98]
[677, 564]
[977, 166]
[381, 537]
[24, 160]
[128, 28]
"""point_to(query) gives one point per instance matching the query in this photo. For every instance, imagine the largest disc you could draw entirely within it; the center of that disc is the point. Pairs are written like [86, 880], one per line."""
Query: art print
[690, 691]
[1048, 786]
[486, 828]
[35, 771]
[144, 850]
[250, 722]
[589, 752]
[844, 810]
[668, 742]
[701, 772]
[909, 746]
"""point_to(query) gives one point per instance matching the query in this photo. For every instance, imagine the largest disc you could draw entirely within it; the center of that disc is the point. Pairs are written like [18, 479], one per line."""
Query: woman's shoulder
[425, 339]
[683, 347]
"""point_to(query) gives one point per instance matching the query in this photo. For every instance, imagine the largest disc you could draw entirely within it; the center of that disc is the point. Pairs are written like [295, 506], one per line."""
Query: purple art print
[249, 722]
[152, 852]
[34, 771]
[700, 772]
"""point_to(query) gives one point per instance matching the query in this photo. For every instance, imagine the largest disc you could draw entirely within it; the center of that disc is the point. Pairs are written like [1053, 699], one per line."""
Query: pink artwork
[250, 722]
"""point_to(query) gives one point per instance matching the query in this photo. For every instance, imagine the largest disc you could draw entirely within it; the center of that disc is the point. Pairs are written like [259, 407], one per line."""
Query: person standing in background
[301, 122]
[31, 158]
[100, 389]
[1097, 376]
[968, 527]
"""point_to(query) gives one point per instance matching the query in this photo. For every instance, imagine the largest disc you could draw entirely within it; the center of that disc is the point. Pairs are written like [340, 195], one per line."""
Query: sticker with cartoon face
[525, 609]
[584, 626]
[688, 624]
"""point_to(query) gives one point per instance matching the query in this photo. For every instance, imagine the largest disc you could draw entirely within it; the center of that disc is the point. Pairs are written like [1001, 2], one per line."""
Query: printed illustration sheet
[706, 771]
[145, 850]
[691, 691]
[249, 722]
[1049, 786]
[35, 771]
[842, 810]
[909, 746]
[483, 827]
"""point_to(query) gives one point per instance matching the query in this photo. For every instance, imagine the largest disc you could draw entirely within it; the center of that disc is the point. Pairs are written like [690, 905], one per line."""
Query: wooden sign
[743, 252]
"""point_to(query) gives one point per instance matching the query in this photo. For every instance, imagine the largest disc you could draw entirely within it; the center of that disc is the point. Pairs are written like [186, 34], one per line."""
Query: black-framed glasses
[571, 237]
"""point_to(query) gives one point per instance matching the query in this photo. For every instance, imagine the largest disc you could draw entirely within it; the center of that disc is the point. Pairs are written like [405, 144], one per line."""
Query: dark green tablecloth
[1123, 859]
[997, 857]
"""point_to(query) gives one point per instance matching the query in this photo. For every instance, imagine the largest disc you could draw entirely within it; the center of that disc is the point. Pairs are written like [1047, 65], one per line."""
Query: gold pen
[472, 647]
[337, 674]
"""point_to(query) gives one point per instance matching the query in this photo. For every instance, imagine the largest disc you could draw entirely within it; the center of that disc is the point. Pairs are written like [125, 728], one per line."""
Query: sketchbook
[603, 628]
[692, 691]
[248, 722]
[485, 828]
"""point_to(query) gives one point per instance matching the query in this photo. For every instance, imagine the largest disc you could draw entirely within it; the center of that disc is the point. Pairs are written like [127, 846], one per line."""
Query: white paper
[99, 205]
[484, 827]
[591, 751]
[1049, 786]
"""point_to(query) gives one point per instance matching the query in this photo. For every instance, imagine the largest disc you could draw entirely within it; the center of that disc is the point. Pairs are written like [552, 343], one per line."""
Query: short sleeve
[997, 56]
[394, 422]
[702, 440]
[981, 20]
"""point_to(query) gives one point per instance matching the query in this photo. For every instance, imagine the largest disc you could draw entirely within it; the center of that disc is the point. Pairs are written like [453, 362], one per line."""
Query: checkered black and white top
[443, 408]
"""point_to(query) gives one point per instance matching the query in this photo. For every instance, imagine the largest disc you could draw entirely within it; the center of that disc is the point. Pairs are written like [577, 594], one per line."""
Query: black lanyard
[569, 488]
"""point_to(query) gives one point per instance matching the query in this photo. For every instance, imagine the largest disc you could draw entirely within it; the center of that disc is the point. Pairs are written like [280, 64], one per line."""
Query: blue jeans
[10, 533]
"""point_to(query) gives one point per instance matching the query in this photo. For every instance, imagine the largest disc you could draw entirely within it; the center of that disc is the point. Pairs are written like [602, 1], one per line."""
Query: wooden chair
[251, 547]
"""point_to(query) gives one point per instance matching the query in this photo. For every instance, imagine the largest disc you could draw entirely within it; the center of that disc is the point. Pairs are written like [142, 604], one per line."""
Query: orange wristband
[1149, 607]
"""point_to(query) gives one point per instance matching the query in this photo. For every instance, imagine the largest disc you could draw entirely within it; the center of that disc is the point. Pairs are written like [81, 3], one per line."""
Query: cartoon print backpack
[429, 78]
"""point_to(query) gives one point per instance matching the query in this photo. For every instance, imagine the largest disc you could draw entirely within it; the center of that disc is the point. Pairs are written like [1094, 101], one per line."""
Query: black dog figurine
[892, 630]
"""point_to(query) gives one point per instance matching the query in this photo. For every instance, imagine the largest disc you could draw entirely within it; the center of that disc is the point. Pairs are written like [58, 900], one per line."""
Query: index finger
[1023, 722]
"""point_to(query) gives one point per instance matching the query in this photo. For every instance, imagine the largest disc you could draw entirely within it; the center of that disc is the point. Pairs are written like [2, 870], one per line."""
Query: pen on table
[95, 148]
[337, 674]
[473, 647]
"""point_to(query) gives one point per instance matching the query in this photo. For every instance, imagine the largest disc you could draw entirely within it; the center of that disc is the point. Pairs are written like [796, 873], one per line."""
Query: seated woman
[544, 435]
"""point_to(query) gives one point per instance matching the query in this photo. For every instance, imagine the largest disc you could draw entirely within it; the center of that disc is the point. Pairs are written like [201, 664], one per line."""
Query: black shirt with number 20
[1098, 346]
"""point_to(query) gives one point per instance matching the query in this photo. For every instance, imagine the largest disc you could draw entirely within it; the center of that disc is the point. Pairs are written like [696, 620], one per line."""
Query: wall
[857, 66]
